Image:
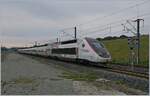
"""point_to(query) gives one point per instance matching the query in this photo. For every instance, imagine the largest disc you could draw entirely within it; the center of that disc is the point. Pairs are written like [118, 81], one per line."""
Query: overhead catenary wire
[119, 21]
[121, 32]
[101, 29]
[113, 13]
[105, 28]
[100, 35]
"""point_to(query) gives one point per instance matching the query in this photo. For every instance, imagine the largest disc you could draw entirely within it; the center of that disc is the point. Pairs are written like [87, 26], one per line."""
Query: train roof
[62, 42]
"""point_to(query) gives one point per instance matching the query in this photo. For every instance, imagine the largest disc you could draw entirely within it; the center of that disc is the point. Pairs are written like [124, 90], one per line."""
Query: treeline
[113, 37]
[8, 49]
[4, 49]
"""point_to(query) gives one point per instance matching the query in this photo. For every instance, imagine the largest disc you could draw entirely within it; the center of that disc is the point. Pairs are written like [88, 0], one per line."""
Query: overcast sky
[24, 21]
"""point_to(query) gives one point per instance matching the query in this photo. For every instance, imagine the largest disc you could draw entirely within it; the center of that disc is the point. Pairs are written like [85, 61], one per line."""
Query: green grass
[119, 50]
[79, 76]
[23, 80]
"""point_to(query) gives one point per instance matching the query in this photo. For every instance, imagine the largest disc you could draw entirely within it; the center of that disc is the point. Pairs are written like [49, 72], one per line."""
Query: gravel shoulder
[25, 74]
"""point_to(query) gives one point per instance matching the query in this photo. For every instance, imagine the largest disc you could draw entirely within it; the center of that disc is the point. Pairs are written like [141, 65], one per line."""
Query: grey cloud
[44, 18]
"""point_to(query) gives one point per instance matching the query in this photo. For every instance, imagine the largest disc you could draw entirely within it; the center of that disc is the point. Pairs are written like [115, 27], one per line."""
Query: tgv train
[86, 49]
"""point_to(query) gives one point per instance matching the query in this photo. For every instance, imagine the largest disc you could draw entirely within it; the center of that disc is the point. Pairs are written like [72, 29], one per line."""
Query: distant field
[119, 50]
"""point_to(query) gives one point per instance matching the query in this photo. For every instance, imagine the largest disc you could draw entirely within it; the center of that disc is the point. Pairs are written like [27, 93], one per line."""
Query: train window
[64, 51]
[97, 45]
[83, 45]
[101, 44]
[69, 41]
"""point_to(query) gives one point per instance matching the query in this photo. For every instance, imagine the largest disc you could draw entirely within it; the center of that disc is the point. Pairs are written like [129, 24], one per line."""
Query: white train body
[78, 49]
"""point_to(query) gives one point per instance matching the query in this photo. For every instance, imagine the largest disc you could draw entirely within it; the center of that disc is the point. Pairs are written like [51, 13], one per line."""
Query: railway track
[132, 73]
[124, 69]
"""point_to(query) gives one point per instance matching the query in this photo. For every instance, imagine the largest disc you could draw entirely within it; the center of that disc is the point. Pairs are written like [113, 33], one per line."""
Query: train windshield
[98, 47]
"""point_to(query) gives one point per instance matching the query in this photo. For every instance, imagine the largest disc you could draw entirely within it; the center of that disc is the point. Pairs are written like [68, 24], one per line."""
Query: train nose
[104, 59]
[103, 53]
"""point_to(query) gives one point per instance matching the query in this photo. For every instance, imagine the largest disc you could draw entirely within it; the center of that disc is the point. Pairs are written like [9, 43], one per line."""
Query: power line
[115, 22]
[145, 14]
[102, 25]
[104, 35]
[113, 13]
[102, 29]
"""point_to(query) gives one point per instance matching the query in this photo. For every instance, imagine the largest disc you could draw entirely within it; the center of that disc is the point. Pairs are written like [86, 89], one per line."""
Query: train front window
[97, 45]
[94, 43]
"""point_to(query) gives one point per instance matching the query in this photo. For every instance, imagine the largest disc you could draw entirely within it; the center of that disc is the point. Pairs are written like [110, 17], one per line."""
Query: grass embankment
[79, 76]
[119, 50]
